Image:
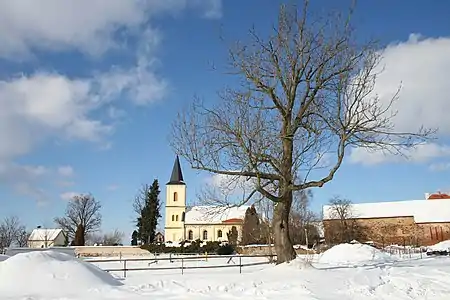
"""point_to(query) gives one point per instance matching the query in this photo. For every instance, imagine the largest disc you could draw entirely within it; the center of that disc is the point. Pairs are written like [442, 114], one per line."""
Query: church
[206, 223]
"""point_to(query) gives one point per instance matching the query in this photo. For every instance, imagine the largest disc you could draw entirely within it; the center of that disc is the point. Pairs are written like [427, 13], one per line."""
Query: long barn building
[424, 222]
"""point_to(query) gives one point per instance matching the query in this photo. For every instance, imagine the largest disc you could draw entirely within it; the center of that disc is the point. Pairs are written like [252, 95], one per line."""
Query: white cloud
[66, 171]
[235, 186]
[421, 66]
[43, 107]
[25, 179]
[67, 196]
[440, 167]
[420, 154]
[228, 185]
[89, 26]
[112, 187]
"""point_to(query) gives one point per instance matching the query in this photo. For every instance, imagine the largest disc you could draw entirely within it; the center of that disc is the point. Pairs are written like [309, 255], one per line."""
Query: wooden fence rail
[183, 259]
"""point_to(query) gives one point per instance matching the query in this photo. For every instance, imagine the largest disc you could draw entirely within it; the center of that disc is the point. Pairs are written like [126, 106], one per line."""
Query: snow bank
[3, 257]
[442, 246]
[354, 254]
[50, 273]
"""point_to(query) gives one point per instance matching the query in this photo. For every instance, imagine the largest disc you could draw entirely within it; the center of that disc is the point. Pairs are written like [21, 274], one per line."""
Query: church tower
[175, 205]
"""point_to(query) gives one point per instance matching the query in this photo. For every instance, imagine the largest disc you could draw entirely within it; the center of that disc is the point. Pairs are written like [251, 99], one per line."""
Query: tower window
[176, 218]
[175, 196]
[173, 218]
[190, 235]
[205, 235]
[219, 233]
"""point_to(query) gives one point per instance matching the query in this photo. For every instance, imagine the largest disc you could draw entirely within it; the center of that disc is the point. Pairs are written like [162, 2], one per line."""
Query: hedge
[194, 247]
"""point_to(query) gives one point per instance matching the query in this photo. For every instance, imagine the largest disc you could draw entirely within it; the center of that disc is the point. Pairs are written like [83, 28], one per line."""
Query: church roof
[177, 175]
[215, 214]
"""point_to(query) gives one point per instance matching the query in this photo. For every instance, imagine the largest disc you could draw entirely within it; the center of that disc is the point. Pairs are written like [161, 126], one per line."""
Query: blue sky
[88, 92]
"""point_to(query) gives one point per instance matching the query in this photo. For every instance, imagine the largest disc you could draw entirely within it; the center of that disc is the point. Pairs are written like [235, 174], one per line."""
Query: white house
[44, 238]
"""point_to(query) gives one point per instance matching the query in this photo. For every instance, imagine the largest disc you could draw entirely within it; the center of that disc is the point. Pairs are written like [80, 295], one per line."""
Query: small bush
[226, 250]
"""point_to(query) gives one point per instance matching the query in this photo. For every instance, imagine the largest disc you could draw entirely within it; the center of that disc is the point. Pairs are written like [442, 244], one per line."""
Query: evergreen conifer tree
[134, 238]
[150, 213]
[251, 233]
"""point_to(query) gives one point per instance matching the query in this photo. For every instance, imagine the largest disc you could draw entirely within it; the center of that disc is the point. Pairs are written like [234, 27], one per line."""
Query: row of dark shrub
[194, 247]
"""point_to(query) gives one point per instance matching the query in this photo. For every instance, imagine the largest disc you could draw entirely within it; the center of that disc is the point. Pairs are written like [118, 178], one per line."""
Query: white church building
[206, 223]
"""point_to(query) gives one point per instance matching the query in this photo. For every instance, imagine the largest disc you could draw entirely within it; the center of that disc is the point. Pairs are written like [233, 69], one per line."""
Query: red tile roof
[438, 196]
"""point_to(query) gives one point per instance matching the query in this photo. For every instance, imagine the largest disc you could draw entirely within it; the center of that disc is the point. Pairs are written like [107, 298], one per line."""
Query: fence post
[240, 264]
[125, 268]
[182, 265]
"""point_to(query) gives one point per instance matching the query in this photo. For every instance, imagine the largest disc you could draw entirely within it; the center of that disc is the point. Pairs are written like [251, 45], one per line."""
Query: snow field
[346, 271]
[40, 272]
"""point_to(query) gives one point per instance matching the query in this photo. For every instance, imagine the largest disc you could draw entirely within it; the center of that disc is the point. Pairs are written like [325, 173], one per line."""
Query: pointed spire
[177, 175]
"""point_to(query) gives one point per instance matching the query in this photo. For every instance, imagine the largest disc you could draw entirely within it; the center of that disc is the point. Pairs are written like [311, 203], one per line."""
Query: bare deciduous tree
[10, 231]
[342, 226]
[84, 211]
[306, 97]
[302, 220]
[22, 238]
[113, 238]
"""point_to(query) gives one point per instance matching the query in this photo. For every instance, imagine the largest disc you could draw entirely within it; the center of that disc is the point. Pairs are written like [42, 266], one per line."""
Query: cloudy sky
[88, 91]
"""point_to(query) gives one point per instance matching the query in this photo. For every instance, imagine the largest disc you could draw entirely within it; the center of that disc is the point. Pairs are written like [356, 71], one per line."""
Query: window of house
[190, 235]
[182, 217]
[219, 233]
[176, 218]
[175, 196]
[205, 235]
[173, 218]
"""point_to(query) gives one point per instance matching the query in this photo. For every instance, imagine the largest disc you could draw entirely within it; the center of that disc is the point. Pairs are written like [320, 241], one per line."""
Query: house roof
[422, 211]
[215, 214]
[42, 234]
[438, 196]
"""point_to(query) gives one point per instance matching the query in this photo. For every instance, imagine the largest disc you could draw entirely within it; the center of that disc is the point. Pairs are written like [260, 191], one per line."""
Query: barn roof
[423, 211]
[215, 214]
[42, 234]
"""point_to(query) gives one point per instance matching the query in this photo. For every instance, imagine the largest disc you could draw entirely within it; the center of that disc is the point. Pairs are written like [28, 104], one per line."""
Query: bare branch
[11, 230]
[306, 93]
[81, 210]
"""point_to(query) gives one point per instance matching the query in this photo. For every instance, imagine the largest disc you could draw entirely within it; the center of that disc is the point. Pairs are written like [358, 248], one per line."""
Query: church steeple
[177, 175]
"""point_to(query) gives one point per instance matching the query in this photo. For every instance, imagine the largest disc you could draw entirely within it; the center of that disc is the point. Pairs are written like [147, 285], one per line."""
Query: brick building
[423, 222]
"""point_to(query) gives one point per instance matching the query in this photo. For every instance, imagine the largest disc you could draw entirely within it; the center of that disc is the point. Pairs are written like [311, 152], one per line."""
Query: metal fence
[183, 260]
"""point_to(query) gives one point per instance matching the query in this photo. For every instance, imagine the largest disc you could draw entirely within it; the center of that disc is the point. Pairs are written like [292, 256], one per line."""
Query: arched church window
[173, 218]
[183, 215]
[190, 235]
[219, 233]
[205, 235]
[176, 218]
[175, 196]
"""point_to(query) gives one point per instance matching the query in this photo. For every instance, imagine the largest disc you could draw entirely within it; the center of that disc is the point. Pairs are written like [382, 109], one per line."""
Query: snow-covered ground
[343, 272]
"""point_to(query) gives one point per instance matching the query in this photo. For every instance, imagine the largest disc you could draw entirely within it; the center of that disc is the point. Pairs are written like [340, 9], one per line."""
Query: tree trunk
[283, 245]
